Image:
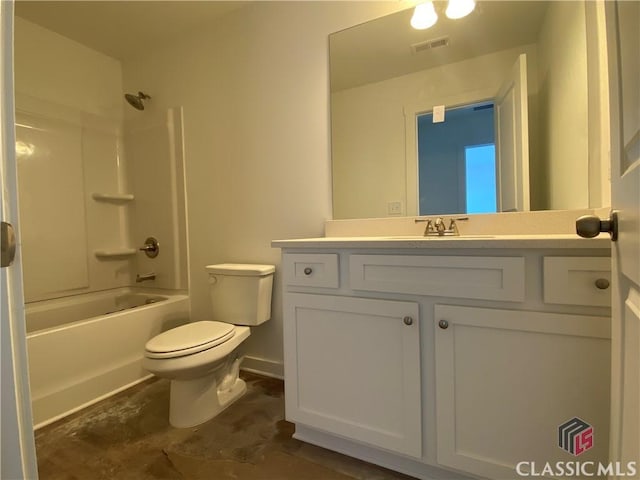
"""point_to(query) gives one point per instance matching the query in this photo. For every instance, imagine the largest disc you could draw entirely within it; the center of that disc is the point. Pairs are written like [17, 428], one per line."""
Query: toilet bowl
[202, 359]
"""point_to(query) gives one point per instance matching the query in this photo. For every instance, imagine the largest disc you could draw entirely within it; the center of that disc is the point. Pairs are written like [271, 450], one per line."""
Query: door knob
[589, 226]
[8, 244]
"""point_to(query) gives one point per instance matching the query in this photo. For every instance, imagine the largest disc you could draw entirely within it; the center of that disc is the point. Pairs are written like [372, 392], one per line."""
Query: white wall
[51, 67]
[563, 106]
[254, 88]
[368, 136]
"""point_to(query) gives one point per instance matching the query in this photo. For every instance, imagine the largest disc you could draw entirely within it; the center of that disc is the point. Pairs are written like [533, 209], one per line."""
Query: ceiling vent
[430, 44]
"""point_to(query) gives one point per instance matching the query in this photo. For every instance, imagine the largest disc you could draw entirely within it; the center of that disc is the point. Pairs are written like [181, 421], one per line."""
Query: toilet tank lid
[240, 269]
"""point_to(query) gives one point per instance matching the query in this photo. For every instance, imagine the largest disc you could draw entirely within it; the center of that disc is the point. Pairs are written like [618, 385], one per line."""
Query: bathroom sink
[447, 237]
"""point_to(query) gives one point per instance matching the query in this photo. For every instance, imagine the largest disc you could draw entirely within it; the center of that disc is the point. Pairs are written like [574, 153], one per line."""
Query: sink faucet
[437, 227]
[145, 276]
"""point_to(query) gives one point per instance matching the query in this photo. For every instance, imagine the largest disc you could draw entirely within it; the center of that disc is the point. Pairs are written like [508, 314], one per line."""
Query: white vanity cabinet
[353, 369]
[505, 380]
[438, 362]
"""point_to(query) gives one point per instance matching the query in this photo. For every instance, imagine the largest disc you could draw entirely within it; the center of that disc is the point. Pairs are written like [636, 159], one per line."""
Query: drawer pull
[308, 270]
[602, 283]
[408, 320]
[443, 324]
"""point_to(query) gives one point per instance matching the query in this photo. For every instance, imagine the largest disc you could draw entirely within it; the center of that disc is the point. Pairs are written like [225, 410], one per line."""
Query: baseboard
[263, 366]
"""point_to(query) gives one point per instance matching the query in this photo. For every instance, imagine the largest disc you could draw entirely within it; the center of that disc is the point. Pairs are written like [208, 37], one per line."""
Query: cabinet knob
[308, 270]
[443, 324]
[408, 320]
[602, 283]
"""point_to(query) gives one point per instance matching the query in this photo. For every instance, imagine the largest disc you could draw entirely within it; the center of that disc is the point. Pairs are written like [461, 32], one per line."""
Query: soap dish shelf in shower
[115, 252]
[113, 197]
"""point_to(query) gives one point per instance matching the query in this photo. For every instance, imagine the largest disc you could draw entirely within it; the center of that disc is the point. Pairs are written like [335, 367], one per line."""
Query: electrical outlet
[394, 208]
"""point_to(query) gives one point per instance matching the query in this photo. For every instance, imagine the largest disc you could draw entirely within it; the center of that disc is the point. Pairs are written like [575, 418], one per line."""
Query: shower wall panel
[51, 196]
[65, 157]
[155, 153]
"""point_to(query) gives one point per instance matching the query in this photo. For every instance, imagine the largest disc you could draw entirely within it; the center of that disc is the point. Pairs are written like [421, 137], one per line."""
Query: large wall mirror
[522, 88]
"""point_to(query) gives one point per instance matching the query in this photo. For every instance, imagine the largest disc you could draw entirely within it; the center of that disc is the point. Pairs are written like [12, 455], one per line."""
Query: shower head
[136, 101]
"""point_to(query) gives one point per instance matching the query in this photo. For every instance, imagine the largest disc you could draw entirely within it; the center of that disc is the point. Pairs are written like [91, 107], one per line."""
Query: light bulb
[424, 16]
[460, 8]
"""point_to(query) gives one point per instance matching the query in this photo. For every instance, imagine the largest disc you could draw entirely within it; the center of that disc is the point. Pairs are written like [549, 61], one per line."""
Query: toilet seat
[189, 339]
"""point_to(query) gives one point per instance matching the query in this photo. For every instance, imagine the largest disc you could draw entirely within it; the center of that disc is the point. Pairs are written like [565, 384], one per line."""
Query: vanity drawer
[487, 278]
[577, 281]
[311, 270]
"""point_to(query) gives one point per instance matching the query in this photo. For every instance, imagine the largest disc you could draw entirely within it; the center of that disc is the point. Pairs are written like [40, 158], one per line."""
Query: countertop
[568, 241]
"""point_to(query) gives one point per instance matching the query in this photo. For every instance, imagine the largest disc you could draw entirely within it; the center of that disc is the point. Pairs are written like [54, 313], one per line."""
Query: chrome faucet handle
[151, 247]
[428, 230]
[453, 226]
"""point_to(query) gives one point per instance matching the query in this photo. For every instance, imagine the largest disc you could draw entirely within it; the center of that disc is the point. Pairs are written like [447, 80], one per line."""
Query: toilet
[201, 358]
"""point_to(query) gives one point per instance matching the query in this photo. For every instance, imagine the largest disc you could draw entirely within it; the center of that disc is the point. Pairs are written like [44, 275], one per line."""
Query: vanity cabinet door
[353, 369]
[506, 381]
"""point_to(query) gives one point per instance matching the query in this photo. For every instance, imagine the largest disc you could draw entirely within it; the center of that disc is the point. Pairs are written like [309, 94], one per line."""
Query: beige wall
[254, 88]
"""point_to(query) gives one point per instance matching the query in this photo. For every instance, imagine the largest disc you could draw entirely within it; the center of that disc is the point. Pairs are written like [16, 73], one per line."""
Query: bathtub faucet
[145, 276]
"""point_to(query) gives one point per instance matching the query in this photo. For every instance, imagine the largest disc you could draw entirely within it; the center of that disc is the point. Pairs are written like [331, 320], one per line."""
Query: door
[353, 369]
[512, 140]
[623, 38]
[17, 449]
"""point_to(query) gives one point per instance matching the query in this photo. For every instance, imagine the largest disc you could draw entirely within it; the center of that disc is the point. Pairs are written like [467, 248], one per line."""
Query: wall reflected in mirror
[387, 78]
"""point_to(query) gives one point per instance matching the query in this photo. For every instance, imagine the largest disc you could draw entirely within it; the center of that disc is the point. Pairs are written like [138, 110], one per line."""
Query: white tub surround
[442, 357]
[85, 348]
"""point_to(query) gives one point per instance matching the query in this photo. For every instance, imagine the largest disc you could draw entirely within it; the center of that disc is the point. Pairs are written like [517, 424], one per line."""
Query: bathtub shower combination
[87, 347]
[86, 323]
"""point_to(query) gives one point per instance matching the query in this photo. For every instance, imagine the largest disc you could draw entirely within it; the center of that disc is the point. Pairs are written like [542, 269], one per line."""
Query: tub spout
[145, 276]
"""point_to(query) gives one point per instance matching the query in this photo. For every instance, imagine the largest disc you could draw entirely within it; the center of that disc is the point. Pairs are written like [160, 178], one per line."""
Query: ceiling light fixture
[459, 8]
[424, 16]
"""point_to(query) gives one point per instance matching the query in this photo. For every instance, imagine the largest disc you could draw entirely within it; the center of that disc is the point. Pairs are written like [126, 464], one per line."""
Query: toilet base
[193, 402]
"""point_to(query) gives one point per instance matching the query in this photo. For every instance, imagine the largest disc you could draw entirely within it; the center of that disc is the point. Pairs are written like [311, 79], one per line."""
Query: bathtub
[85, 348]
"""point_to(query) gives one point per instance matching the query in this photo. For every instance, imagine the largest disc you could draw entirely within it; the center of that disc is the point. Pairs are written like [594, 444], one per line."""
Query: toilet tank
[241, 293]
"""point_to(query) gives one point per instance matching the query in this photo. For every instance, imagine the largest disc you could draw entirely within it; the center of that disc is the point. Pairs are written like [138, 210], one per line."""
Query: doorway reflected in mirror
[456, 161]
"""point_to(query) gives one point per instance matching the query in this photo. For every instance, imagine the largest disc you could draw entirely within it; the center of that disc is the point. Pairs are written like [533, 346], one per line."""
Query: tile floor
[128, 436]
